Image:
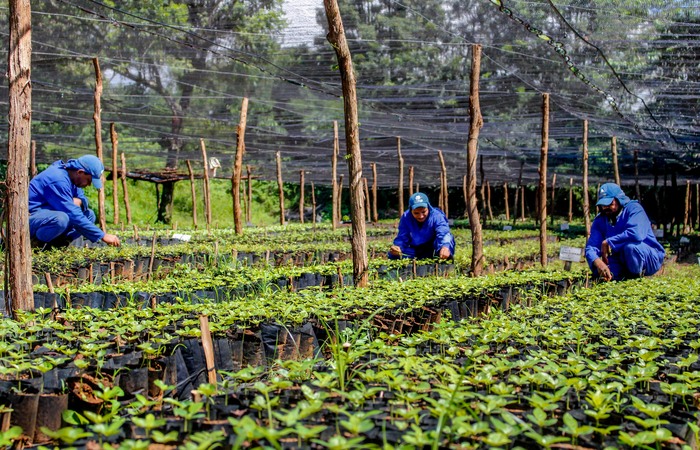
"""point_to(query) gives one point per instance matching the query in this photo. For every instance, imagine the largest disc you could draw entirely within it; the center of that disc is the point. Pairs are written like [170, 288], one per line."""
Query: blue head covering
[418, 200]
[90, 164]
[610, 191]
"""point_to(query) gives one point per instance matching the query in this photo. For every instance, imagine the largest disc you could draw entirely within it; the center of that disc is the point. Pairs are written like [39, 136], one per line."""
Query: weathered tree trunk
[280, 187]
[301, 196]
[32, 164]
[475, 124]
[400, 188]
[193, 191]
[616, 167]
[586, 204]
[336, 36]
[97, 117]
[125, 189]
[375, 214]
[505, 200]
[410, 181]
[543, 179]
[334, 177]
[571, 199]
[205, 177]
[18, 251]
[238, 168]
[636, 175]
[115, 192]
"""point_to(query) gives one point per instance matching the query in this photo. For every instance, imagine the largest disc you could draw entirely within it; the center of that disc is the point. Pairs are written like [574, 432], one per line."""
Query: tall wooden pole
[410, 181]
[571, 199]
[340, 198]
[248, 212]
[616, 168]
[488, 200]
[301, 196]
[636, 175]
[688, 201]
[465, 194]
[313, 205]
[522, 203]
[443, 185]
[475, 124]
[32, 165]
[375, 214]
[586, 204]
[505, 200]
[543, 179]
[280, 187]
[97, 118]
[400, 188]
[238, 168]
[334, 177]
[115, 193]
[193, 191]
[207, 193]
[125, 191]
[336, 37]
[365, 186]
[18, 253]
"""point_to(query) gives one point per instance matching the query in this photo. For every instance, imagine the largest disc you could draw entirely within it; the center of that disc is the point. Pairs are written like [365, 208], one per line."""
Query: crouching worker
[423, 232]
[622, 243]
[58, 208]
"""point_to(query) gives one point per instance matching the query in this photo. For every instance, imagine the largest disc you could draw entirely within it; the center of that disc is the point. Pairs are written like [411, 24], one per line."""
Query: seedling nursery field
[261, 341]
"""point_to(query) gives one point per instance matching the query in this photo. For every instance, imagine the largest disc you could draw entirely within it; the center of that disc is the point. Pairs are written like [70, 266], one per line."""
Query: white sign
[182, 237]
[572, 254]
[564, 226]
[507, 228]
[659, 232]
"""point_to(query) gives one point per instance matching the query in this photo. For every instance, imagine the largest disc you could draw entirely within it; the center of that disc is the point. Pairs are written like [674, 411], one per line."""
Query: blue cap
[607, 193]
[418, 200]
[92, 165]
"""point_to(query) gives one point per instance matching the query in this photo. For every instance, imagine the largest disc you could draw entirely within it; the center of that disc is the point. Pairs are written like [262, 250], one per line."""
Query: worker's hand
[444, 253]
[603, 269]
[78, 202]
[605, 251]
[395, 250]
[111, 239]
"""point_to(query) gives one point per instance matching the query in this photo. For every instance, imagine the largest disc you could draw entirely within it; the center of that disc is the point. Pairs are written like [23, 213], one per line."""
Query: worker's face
[420, 214]
[82, 179]
[610, 211]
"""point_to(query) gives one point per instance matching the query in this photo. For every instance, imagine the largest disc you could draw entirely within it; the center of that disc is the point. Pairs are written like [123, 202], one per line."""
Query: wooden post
[522, 203]
[334, 177]
[125, 190]
[301, 196]
[488, 200]
[505, 200]
[115, 193]
[410, 181]
[571, 199]
[153, 255]
[375, 215]
[366, 191]
[207, 195]
[551, 202]
[475, 124]
[465, 194]
[336, 37]
[443, 185]
[208, 347]
[586, 204]
[543, 179]
[686, 216]
[97, 118]
[32, 164]
[340, 198]
[636, 175]
[616, 169]
[249, 214]
[193, 191]
[280, 187]
[238, 168]
[313, 205]
[400, 188]
[18, 252]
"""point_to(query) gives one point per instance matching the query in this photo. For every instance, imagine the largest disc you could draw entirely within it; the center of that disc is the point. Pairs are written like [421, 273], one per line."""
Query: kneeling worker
[58, 208]
[622, 243]
[423, 232]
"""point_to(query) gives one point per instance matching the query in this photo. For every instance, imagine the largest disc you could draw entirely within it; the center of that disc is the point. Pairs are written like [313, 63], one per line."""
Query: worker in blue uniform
[622, 243]
[423, 232]
[58, 208]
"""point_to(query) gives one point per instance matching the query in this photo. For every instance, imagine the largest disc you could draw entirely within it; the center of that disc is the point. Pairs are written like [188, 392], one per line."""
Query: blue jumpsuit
[423, 240]
[53, 217]
[635, 250]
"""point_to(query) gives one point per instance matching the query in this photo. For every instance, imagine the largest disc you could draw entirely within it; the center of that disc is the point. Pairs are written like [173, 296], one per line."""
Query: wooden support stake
[136, 235]
[193, 191]
[153, 256]
[115, 175]
[465, 195]
[443, 185]
[238, 168]
[686, 215]
[410, 181]
[586, 204]
[340, 198]
[475, 124]
[205, 177]
[280, 186]
[375, 215]
[97, 118]
[366, 190]
[49, 282]
[32, 162]
[400, 188]
[505, 200]
[616, 168]
[208, 347]
[543, 179]
[125, 191]
[313, 205]
[301, 196]
[522, 203]
[488, 200]
[248, 210]
[335, 216]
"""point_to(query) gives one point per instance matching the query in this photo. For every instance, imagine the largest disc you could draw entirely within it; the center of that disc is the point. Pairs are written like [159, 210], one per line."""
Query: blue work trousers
[634, 261]
[54, 226]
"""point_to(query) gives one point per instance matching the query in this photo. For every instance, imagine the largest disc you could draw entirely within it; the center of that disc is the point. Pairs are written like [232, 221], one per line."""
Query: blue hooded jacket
[53, 190]
[424, 240]
[631, 226]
